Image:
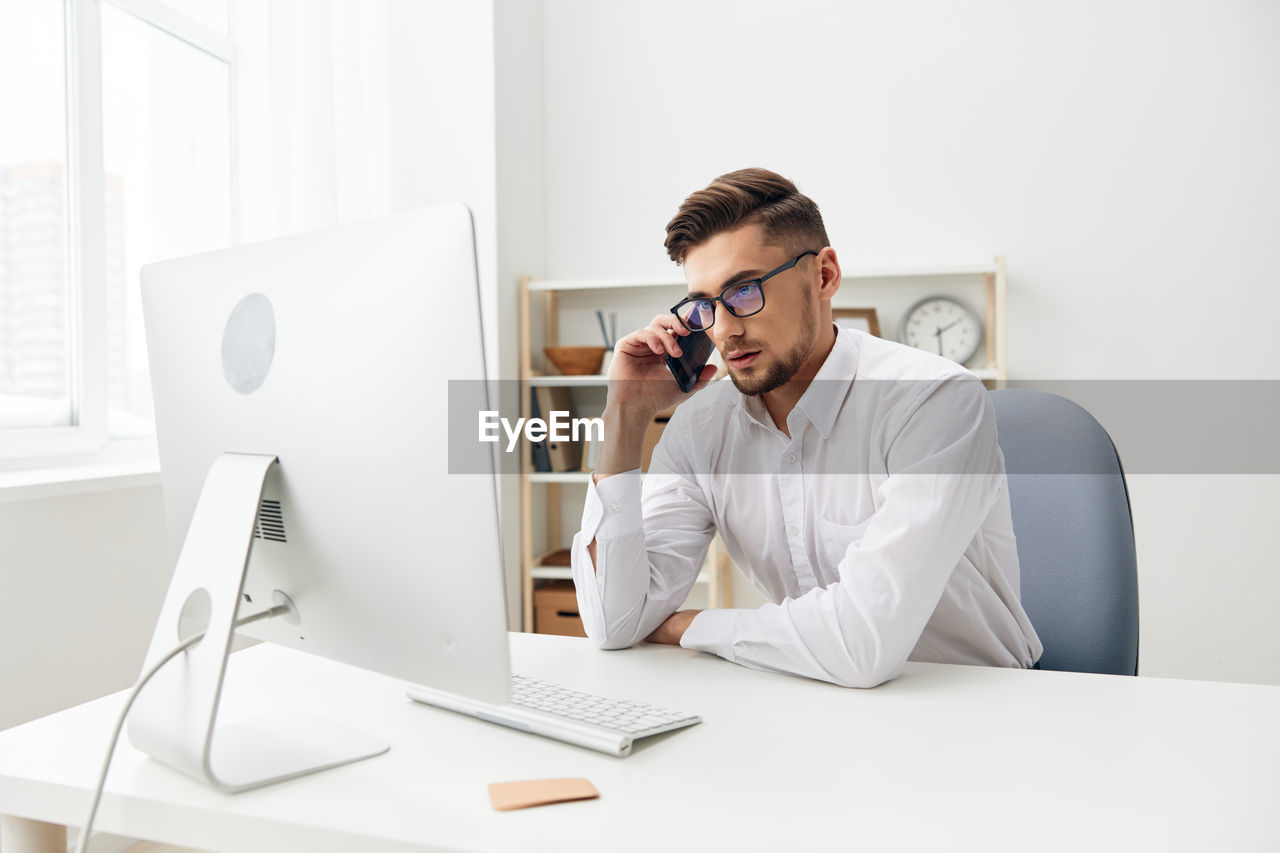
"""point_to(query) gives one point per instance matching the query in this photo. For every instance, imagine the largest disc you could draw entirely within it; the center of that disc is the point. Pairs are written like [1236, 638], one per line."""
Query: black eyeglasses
[742, 299]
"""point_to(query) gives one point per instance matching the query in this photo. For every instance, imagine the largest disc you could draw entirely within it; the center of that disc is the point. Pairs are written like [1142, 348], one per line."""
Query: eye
[743, 296]
[697, 314]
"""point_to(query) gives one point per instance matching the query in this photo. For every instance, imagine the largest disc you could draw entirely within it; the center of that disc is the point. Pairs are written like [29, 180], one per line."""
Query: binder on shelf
[563, 455]
[538, 455]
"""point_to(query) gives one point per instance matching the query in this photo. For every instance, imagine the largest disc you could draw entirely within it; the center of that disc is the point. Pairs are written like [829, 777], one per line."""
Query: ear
[829, 274]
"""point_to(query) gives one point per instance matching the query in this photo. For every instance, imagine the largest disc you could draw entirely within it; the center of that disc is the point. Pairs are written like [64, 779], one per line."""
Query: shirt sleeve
[945, 473]
[652, 533]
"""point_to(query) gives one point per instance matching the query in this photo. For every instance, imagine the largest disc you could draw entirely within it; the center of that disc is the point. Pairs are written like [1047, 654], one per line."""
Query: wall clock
[942, 325]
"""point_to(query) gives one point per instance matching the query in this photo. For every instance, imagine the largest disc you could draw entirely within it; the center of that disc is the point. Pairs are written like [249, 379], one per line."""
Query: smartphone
[695, 349]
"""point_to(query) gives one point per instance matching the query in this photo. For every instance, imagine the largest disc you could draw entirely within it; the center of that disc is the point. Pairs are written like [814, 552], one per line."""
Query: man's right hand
[640, 384]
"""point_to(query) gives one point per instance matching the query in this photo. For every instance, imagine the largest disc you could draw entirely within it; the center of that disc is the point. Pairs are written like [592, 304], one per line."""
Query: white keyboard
[629, 718]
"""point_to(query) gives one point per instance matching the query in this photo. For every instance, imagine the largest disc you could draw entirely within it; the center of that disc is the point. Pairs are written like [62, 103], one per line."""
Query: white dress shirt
[879, 528]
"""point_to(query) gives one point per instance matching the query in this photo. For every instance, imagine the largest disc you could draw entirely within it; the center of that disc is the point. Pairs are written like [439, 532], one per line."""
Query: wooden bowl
[576, 361]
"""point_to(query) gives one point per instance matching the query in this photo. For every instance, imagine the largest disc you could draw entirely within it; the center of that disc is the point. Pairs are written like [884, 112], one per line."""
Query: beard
[779, 373]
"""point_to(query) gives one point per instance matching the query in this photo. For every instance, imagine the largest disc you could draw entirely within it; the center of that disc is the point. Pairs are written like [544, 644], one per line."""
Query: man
[856, 481]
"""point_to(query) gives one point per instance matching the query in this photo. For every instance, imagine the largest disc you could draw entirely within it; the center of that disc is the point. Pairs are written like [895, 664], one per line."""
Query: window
[123, 158]
[35, 330]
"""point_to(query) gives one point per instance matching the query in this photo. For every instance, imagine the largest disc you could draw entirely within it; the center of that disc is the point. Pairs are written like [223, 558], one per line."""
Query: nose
[726, 328]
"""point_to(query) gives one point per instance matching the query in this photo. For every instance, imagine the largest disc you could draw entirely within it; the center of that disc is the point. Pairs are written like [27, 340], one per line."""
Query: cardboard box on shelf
[555, 610]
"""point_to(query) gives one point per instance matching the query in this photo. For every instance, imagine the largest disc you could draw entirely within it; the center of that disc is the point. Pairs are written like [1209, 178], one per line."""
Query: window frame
[86, 437]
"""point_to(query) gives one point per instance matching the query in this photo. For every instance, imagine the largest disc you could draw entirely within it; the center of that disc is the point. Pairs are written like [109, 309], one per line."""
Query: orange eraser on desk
[539, 792]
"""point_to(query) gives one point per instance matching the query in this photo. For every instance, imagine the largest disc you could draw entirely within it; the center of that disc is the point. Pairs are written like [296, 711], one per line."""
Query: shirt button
[793, 531]
[791, 457]
[613, 507]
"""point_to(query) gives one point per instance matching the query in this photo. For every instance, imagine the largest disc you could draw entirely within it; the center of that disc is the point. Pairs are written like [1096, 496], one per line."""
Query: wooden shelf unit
[716, 570]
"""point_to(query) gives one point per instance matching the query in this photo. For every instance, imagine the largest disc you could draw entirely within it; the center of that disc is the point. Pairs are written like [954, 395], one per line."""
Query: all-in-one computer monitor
[301, 388]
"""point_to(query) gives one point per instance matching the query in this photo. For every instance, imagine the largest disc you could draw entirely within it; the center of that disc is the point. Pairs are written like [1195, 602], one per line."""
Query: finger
[639, 343]
[636, 343]
[662, 329]
[671, 323]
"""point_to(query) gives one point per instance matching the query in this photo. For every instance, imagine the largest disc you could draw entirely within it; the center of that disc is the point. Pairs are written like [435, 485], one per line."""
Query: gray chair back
[1074, 529]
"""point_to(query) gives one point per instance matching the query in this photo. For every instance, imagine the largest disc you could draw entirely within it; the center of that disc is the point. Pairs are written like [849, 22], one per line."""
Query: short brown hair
[746, 197]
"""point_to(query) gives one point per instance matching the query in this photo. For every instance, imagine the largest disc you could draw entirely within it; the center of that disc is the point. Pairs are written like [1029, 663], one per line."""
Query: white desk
[946, 757]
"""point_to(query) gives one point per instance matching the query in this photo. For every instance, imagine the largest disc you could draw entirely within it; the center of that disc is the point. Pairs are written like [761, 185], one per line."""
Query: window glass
[35, 300]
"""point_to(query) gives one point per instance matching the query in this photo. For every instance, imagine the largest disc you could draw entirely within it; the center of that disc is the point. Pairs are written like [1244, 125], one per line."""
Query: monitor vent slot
[270, 522]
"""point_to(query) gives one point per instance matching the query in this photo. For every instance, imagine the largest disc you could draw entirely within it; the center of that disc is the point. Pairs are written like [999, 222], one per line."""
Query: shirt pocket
[834, 540]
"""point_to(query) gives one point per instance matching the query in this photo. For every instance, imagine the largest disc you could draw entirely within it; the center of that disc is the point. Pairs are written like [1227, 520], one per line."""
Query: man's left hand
[673, 629]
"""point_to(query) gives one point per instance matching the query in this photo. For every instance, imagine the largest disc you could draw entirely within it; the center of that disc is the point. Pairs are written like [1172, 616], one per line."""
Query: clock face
[942, 325]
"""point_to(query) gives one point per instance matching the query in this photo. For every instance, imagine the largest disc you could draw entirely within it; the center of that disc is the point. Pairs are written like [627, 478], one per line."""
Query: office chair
[1074, 529]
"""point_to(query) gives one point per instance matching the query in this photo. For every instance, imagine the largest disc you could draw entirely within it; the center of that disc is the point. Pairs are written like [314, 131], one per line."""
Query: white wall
[1121, 154]
[81, 584]
[521, 230]
[441, 69]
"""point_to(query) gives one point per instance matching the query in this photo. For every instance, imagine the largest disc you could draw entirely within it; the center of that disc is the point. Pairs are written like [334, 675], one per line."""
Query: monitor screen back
[334, 351]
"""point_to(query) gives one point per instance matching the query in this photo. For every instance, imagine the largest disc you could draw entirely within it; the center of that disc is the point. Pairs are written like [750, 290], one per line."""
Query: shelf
[604, 283]
[539, 572]
[559, 476]
[551, 573]
[564, 573]
[931, 271]
[569, 381]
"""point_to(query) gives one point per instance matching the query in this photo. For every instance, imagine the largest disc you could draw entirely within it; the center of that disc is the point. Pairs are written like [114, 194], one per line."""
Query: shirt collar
[823, 399]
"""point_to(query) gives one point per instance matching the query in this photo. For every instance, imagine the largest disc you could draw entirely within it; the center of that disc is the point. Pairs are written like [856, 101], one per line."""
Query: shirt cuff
[712, 631]
[613, 506]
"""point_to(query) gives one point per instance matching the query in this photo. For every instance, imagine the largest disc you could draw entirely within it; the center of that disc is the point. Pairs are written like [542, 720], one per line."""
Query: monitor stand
[174, 716]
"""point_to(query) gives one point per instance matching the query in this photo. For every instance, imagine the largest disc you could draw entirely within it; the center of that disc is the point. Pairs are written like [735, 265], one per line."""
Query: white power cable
[83, 844]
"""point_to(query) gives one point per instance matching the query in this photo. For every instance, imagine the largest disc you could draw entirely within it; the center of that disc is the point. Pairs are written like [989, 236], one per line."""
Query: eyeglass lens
[745, 299]
[698, 315]
[742, 301]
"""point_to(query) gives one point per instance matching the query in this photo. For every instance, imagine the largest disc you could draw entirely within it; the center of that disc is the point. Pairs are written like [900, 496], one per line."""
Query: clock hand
[938, 335]
[948, 326]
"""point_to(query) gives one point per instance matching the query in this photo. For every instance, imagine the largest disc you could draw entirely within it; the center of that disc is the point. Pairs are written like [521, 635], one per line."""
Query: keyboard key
[619, 715]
